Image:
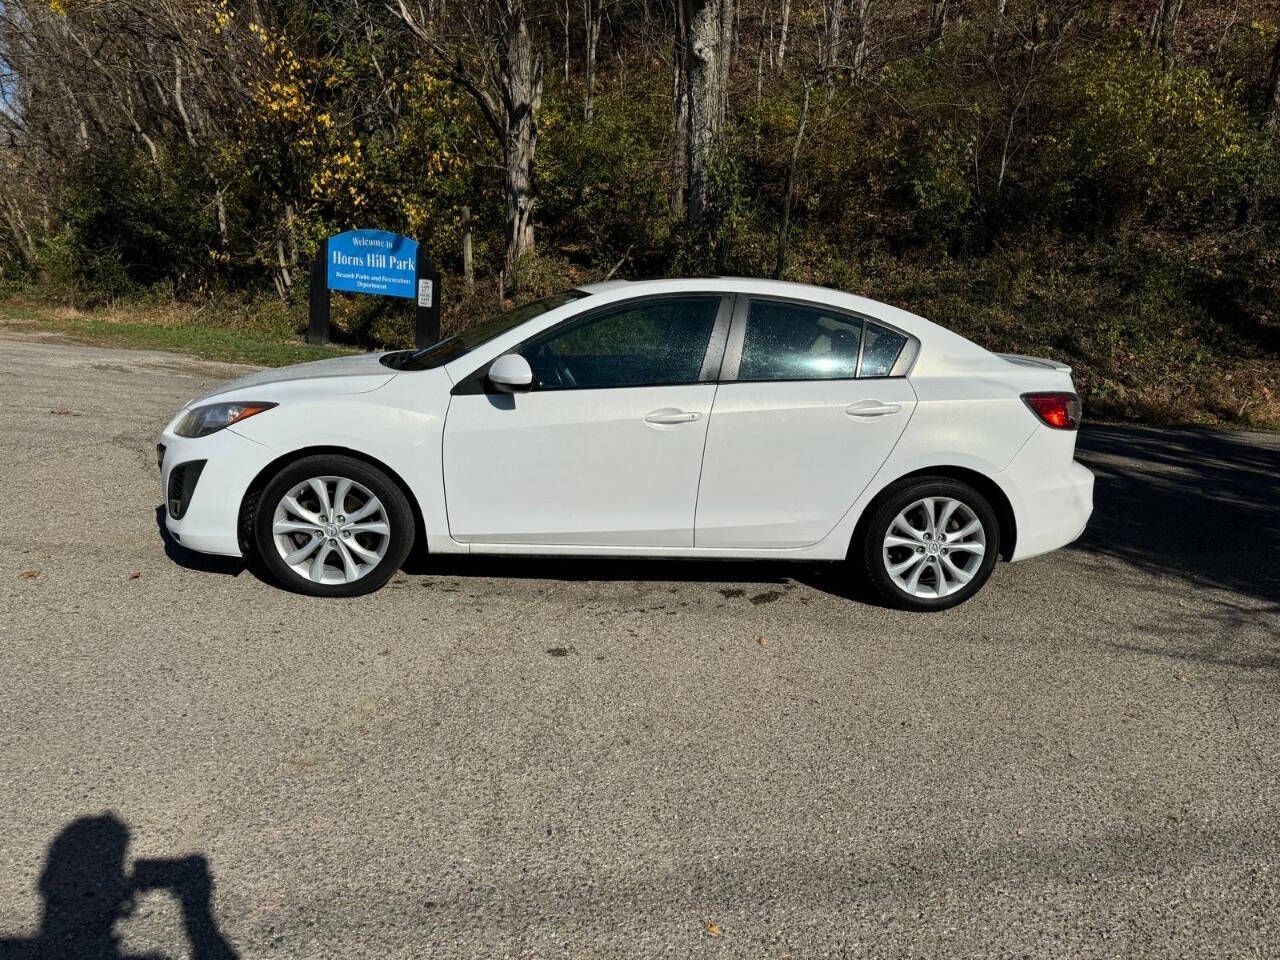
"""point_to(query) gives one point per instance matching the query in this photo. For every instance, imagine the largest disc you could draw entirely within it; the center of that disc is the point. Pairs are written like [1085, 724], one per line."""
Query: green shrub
[1163, 147]
[131, 227]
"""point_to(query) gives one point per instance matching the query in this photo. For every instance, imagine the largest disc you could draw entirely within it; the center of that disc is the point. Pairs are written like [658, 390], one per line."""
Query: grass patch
[173, 329]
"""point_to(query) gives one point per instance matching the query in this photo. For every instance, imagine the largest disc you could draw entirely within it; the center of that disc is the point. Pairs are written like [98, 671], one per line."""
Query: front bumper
[209, 522]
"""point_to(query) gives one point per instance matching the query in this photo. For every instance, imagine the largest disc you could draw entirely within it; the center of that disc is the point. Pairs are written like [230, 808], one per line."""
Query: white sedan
[673, 418]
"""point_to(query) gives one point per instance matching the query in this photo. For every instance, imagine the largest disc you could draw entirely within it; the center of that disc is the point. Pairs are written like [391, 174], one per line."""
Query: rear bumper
[212, 511]
[1051, 494]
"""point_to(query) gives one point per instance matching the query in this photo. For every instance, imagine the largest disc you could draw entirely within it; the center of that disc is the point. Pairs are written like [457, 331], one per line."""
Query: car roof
[756, 285]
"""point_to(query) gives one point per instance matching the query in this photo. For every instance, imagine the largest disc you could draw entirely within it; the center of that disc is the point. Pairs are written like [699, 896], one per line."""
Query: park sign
[373, 261]
[379, 263]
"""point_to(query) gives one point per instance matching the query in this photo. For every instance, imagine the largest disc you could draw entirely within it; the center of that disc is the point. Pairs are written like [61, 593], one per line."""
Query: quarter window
[880, 352]
[658, 342]
[785, 341]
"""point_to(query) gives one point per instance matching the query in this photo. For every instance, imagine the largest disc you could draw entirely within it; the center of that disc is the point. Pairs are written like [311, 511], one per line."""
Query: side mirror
[511, 373]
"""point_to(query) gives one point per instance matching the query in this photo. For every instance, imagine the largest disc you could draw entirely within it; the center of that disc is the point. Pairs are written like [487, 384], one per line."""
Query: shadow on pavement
[772, 576]
[1197, 504]
[190, 560]
[86, 893]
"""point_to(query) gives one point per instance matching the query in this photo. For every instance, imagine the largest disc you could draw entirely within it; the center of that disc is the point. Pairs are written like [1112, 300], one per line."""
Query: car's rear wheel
[930, 543]
[333, 526]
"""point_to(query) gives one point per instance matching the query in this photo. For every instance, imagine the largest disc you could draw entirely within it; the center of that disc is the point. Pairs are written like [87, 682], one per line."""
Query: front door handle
[871, 408]
[671, 415]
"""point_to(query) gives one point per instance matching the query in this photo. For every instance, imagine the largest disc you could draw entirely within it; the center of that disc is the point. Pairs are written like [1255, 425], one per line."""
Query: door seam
[702, 463]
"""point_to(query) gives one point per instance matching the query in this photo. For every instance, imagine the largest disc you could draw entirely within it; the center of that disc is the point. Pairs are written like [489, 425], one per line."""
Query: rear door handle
[671, 415]
[871, 408]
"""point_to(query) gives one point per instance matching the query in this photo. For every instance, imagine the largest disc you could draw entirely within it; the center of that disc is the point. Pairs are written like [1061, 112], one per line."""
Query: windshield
[450, 348]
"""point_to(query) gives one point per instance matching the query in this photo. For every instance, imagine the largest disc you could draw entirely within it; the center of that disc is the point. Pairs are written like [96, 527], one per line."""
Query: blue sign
[374, 261]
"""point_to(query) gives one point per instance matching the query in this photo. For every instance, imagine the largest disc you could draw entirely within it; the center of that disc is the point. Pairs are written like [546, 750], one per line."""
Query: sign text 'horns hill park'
[373, 261]
[380, 263]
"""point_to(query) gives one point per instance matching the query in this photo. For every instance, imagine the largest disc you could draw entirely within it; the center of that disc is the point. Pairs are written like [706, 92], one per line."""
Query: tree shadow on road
[86, 892]
[1200, 505]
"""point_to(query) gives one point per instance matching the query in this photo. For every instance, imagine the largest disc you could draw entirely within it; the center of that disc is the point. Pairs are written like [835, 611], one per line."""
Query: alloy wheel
[934, 547]
[331, 530]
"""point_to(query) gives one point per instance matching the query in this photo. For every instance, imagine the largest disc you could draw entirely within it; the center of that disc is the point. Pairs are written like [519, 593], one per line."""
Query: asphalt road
[538, 759]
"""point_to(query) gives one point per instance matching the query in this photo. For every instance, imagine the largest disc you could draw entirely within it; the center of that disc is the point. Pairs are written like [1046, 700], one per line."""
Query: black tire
[399, 516]
[870, 552]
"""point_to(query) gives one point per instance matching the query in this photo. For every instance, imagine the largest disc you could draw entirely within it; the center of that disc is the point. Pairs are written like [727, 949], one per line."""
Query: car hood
[340, 375]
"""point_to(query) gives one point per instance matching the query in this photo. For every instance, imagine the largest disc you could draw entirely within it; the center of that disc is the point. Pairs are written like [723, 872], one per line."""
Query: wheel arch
[249, 502]
[979, 481]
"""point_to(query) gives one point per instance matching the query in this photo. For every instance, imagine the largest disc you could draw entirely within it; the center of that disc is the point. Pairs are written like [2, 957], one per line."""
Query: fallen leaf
[29, 574]
[711, 928]
[135, 575]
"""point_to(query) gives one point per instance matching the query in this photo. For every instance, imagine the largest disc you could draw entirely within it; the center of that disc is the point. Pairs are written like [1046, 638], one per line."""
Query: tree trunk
[1273, 91]
[705, 99]
[1164, 29]
[509, 97]
[520, 63]
[220, 208]
[566, 42]
[679, 120]
[937, 20]
[782, 39]
[468, 269]
[834, 16]
[784, 228]
[17, 225]
[862, 9]
[728, 23]
[593, 14]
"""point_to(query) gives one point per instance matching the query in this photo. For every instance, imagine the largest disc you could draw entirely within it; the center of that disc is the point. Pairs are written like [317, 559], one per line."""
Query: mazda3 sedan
[673, 418]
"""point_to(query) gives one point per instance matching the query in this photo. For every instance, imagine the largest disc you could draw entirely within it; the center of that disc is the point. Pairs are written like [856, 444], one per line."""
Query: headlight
[202, 421]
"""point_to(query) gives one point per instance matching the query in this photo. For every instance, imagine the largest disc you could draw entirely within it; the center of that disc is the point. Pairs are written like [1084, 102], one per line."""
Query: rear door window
[788, 341]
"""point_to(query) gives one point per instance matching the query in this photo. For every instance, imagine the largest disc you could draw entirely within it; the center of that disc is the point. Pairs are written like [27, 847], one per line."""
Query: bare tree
[163, 75]
[679, 114]
[782, 36]
[728, 35]
[788, 188]
[862, 10]
[593, 19]
[497, 62]
[833, 20]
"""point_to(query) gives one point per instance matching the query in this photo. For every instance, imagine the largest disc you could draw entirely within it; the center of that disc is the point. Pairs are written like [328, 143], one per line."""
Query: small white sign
[424, 293]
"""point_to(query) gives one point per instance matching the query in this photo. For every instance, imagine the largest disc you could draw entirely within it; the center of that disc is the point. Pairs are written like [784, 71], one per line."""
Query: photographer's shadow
[86, 892]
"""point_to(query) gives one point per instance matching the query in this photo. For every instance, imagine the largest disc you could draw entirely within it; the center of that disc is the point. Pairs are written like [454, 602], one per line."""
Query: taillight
[1058, 410]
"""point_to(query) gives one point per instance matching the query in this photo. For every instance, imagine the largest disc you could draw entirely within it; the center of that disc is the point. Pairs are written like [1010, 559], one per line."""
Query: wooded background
[1094, 180]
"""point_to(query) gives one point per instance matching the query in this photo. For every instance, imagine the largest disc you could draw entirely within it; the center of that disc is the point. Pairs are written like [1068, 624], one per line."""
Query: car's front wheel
[930, 543]
[333, 526]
